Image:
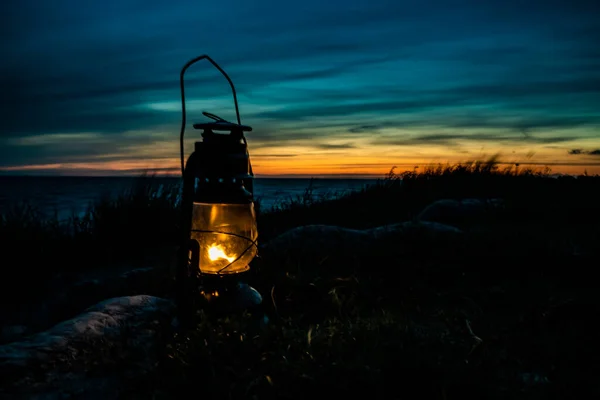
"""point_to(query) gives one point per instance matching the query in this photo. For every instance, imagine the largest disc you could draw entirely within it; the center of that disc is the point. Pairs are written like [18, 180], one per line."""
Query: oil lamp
[219, 231]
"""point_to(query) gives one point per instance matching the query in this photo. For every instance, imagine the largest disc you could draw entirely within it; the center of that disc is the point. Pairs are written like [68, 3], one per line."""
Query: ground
[481, 286]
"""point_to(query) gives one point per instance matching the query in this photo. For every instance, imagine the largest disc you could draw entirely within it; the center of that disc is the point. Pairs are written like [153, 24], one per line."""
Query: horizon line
[262, 176]
[175, 172]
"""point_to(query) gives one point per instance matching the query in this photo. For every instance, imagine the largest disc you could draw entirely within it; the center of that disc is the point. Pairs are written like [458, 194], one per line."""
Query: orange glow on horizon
[322, 151]
[321, 165]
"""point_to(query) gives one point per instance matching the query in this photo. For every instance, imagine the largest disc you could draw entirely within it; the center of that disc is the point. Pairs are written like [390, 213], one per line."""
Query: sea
[66, 196]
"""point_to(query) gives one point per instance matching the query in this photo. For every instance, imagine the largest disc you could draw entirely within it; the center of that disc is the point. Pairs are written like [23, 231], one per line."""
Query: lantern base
[224, 295]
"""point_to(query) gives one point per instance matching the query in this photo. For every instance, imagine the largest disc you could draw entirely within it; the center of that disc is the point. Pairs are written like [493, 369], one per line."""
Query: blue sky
[329, 87]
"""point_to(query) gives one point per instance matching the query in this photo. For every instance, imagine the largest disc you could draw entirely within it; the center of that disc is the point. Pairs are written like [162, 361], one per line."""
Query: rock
[116, 337]
[71, 298]
[304, 249]
[310, 240]
[451, 211]
[423, 229]
[301, 250]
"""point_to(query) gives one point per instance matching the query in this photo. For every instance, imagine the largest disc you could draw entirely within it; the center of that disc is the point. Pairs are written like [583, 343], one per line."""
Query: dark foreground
[506, 309]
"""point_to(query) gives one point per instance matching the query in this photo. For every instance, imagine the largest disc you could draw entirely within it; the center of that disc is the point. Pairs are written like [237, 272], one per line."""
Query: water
[67, 196]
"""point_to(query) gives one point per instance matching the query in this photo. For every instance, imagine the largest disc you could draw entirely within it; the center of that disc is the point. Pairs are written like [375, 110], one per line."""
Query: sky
[331, 88]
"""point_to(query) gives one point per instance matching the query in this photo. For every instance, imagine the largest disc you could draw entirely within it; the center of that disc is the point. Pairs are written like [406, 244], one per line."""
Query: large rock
[88, 355]
[422, 230]
[461, 212]
[305, 249]
[70, 299]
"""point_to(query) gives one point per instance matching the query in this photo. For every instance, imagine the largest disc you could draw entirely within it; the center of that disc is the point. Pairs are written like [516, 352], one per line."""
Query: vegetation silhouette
[506, 311]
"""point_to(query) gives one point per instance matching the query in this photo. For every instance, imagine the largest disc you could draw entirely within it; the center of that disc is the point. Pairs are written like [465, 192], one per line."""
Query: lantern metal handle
[213, 116]
[181, 84]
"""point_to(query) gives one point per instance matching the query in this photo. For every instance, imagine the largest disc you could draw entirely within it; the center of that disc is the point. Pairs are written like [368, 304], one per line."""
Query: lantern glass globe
[226, 234]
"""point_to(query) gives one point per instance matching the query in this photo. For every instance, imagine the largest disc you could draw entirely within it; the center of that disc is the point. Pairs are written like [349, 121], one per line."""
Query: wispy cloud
[449, 138]
[580, 151]
[334, 146]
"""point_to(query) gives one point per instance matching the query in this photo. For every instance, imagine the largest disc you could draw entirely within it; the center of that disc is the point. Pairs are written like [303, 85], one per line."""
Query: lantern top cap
[223, 126]
[219, 124]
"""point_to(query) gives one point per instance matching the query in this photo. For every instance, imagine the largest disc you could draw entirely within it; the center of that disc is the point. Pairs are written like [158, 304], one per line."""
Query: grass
[506, 312]
[112, 229]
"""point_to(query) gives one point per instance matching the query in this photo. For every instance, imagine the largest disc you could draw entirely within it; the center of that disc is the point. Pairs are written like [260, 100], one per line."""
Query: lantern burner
[220, 125]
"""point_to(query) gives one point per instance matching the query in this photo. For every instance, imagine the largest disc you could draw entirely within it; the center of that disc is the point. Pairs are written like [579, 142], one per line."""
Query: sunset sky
[330, 87]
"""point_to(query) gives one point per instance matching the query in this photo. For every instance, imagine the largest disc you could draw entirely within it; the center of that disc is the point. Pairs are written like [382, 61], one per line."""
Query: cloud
[580, 151]
[273, 155]
[334, 146]
[364, 128]
[87, 148]
[453, 139]
[306, 71]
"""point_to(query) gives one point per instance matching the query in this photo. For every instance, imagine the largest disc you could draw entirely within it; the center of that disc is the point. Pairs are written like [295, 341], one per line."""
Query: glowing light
[216, 252]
